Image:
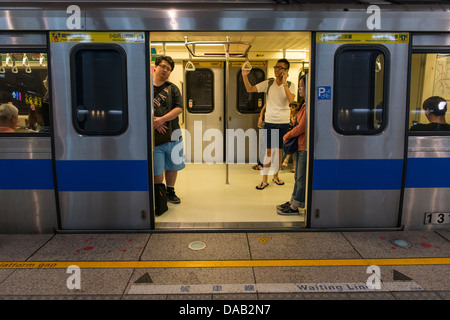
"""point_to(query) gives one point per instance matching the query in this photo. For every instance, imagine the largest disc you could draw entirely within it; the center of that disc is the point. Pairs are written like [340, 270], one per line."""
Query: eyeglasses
[279, 68]
[165, 67]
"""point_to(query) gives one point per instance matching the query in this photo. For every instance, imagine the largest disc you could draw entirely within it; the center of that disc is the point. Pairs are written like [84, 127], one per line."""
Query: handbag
[160, 199]
[291, 145]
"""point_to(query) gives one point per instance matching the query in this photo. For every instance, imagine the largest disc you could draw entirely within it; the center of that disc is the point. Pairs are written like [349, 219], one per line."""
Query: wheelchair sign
[324, 93]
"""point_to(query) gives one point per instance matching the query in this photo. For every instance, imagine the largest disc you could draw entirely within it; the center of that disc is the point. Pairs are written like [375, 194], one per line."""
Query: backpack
[271, 80]
[161, 110]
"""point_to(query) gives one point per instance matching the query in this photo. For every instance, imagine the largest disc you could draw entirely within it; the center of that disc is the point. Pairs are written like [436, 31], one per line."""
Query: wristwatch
[285, 84]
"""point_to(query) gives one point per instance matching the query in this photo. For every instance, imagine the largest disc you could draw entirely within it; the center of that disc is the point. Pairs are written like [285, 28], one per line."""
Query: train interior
[429, 77]
[216, 190]
[23, 83]
[221, 193]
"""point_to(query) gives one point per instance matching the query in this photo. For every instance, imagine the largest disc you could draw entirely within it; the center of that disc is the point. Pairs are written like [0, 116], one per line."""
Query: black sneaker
[288, 211]
[284, 205]
[172, 197]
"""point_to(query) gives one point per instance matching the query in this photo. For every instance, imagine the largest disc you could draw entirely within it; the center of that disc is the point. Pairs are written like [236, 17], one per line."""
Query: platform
[226, 266]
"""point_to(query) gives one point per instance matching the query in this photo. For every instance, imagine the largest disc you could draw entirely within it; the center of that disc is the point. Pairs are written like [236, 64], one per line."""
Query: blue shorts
[168, 156]
[273, 129]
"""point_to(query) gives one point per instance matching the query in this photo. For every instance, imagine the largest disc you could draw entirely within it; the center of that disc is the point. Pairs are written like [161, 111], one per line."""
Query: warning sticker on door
[98, 37]
[362, 37]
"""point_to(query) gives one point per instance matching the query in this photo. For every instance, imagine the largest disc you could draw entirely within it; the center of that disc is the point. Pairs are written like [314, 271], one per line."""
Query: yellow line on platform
[221, 263]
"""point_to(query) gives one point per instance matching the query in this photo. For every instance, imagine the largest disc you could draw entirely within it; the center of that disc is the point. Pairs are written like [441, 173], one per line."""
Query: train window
[250, 102]
[430, 94]
[99, 89]
[24, 84]
[200, 90]
[359, 90]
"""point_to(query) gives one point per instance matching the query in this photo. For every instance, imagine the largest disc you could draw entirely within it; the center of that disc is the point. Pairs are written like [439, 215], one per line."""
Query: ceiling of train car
[260, 41]
[241, 2]
[359, 1]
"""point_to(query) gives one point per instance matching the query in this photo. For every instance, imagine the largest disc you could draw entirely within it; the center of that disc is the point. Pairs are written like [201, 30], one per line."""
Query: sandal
[257, 167]
[278, 181]
[262, 186]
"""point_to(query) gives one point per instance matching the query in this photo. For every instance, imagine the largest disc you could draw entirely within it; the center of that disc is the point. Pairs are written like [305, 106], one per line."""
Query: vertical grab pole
[227, 80]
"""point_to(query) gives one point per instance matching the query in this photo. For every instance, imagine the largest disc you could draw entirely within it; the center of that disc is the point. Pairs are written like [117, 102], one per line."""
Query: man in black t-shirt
[168, 105]
[435, 110]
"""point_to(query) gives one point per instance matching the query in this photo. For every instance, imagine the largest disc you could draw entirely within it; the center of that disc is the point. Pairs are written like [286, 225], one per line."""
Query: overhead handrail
[10, 62]
[191, 46]
[2, 68]
[25, 60]
[26, 63]
[247, 66]
[42, 60]
[189, 66]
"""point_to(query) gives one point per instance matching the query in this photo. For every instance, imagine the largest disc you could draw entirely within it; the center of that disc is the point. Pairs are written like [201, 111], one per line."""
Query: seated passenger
[9, 115]
[435, 109]
[34, 118]
[45, 109]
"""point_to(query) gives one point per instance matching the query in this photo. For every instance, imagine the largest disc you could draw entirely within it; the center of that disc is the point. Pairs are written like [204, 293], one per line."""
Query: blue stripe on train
[102, 175]
[132, 175]
[383, 174]
[428, 173]
[26, 174]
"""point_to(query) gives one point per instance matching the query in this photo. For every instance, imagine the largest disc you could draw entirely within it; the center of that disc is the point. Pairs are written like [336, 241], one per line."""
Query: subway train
[80, 158]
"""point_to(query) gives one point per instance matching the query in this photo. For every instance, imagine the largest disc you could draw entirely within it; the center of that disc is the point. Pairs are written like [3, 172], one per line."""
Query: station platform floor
[272, 266]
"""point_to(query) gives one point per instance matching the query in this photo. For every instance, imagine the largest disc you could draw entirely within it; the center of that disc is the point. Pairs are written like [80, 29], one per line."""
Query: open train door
[359, 129]
[101, 145]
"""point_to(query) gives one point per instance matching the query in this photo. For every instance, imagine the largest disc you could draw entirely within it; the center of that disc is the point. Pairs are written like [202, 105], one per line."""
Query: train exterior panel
[102, 165]
[370, 69]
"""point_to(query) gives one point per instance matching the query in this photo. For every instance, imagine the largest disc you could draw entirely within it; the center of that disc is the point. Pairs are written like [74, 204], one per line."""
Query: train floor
[269, 266]
[211, 200]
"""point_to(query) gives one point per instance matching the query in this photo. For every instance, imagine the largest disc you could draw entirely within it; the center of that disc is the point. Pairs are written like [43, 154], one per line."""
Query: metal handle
[191, 47]
[189, 66]
[247, 66]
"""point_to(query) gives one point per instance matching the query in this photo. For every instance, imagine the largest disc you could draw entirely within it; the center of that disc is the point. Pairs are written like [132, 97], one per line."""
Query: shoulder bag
[165, 99]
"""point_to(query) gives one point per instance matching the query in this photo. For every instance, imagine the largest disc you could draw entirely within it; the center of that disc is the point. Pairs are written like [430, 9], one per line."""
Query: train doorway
[217, 187]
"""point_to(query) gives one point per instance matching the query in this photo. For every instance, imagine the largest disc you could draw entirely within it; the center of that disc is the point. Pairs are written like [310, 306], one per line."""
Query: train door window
[200, 90]
[24, 84]
[99, 89]
[250, 102]
[360, 84]
[430, 94]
